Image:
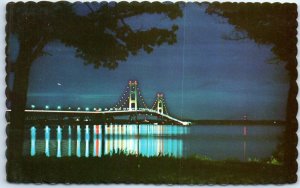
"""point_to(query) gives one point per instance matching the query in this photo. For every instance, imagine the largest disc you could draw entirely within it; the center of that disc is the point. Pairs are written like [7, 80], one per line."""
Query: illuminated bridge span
[97, 132]
[128, 105]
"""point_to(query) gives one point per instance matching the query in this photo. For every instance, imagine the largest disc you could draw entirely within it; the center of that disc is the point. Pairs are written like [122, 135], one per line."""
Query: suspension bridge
[131, 104]
[98, 131]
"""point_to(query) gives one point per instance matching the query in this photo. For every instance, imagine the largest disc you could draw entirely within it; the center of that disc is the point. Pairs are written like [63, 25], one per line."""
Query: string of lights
[125, 103]
[154, 104]
[122, 97]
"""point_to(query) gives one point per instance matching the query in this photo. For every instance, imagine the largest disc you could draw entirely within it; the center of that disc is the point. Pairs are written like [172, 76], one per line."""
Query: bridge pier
[133, 118]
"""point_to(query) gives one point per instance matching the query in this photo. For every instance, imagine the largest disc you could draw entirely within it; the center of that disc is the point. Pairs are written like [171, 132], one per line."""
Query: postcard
[151, 92]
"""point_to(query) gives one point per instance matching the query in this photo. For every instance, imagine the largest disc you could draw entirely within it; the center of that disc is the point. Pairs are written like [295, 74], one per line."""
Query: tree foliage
[266, 23]
[101, 37]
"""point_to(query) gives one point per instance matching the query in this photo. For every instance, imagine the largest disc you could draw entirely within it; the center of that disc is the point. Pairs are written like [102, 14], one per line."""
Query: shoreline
[122, 168]
[239, 122]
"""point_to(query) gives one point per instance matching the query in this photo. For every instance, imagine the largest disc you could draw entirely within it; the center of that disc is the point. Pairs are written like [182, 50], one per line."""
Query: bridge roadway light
[47, 107]
[58, 107]
[32, 106]
[78, 108]
[87, 109]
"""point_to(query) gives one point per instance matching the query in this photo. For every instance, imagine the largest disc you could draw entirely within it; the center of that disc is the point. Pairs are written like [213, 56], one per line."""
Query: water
[229, 142]
[214, 141]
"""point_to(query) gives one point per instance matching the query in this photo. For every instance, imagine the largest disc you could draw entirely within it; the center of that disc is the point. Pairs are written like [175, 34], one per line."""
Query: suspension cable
[154, 103]
[122, 97]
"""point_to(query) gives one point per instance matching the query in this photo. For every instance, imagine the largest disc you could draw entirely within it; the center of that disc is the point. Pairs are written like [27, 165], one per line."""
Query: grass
[121, 168]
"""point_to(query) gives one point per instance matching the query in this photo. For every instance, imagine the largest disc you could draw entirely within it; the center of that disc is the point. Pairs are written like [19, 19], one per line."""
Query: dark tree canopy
[265, 23]
[102, 37]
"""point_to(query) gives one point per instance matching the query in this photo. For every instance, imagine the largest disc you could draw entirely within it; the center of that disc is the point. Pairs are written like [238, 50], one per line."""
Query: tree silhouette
[101, 37]
[274, 24]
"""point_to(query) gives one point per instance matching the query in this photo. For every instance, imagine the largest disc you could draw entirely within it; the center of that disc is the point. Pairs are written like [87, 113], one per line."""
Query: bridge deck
[109, 112]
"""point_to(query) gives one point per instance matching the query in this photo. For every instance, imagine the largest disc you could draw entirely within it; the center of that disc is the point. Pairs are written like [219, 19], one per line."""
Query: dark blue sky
[203, 76]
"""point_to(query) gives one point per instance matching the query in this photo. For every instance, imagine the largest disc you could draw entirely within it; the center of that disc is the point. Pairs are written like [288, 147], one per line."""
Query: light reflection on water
[214, 141]
[147, 140]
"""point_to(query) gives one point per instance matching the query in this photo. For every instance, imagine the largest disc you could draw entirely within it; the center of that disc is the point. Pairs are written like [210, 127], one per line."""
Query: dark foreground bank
[155, 170]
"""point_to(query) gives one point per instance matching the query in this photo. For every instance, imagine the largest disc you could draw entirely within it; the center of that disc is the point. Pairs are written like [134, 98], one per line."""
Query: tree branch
[39, 48]
[89, 7]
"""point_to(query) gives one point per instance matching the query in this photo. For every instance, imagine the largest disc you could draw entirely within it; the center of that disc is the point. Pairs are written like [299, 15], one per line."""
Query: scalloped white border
[3, 182]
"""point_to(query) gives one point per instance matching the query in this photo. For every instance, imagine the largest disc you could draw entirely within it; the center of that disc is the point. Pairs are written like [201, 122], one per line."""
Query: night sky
[203, 75]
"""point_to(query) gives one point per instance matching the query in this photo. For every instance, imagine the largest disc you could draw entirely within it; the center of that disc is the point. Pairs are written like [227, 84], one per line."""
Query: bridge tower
[133, 95]
[160, 103]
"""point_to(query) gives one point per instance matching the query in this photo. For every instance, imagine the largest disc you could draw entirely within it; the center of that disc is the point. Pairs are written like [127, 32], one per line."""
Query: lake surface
[214, 141]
